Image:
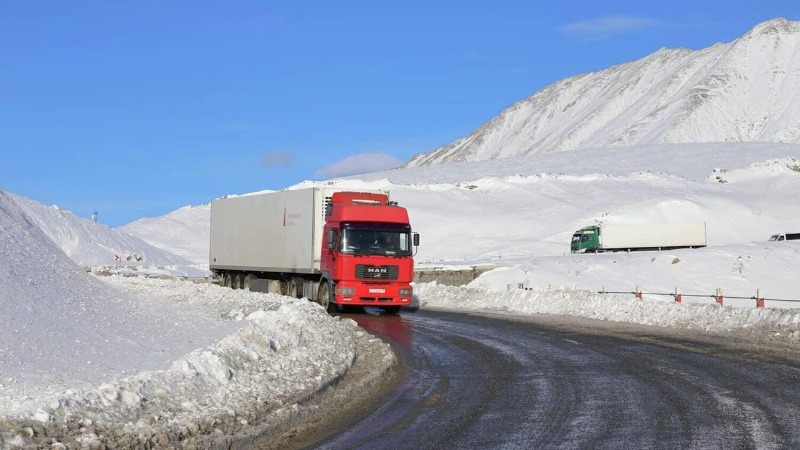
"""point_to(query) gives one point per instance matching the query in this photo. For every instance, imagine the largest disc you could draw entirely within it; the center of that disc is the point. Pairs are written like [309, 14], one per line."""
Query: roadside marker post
[759, 299]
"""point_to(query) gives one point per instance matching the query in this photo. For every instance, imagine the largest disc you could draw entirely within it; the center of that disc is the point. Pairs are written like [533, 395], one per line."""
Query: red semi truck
[336, 247]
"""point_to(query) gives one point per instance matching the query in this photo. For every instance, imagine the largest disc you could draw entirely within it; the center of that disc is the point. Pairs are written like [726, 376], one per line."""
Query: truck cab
[585, 239]
[367, 256]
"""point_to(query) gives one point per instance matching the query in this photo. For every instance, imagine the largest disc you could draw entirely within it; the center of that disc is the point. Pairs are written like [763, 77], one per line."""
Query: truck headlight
[345, 291]
[406, 291]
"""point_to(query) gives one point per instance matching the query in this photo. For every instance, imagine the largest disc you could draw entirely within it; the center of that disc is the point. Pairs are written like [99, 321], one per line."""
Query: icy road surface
[476, 381]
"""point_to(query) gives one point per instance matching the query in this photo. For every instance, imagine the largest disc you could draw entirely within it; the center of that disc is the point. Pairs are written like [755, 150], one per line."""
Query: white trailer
[649, 236]
[269, 232]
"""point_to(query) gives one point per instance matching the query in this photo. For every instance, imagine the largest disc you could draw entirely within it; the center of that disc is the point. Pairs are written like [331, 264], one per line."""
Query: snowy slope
[743, 91]
[507, 210]
[60, 324]
[89, 243]
[529, 206]
[183, 232]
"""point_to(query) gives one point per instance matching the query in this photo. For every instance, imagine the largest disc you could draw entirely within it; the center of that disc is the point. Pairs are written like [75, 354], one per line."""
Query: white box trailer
[646, 236]
[269, 232]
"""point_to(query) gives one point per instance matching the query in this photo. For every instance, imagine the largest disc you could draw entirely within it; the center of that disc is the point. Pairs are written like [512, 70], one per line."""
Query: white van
[784, 237]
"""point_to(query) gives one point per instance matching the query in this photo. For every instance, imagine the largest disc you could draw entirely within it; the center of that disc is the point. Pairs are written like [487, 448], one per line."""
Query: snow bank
[615, 308]
[284, 352]
[92, 243]
[61, 327]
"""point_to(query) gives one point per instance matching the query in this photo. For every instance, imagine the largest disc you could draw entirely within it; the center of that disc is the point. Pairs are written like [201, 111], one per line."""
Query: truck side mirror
[416, 239]
[330, 239]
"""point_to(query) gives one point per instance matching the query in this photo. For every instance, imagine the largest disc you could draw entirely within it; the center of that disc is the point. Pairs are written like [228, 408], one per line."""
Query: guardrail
[718, 296]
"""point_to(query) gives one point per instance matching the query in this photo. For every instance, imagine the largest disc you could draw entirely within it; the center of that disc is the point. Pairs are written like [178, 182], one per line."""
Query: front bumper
[377, 294]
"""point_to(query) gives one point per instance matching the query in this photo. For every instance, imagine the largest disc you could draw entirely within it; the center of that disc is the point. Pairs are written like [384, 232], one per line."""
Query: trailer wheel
[324, 296]
[295, 288]
[283, 287]
[236, 281]
[247, 283]
[226, 280]
[276, 287]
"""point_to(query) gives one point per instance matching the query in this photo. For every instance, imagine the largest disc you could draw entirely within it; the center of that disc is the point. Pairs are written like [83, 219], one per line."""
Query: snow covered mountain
[743, 91]
[89, 243]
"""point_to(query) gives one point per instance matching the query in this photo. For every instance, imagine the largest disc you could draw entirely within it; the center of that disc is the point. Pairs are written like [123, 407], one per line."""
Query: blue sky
[134, 109]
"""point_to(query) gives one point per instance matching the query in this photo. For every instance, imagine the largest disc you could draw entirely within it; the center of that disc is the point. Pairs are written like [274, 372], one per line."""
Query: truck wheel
[324, 297]
[226, 280]
[295, 288]
[237, 281]
[391, 309]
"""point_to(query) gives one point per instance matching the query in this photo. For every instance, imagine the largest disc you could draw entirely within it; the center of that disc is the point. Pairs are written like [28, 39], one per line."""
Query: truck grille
[373, 299]
[365, 272]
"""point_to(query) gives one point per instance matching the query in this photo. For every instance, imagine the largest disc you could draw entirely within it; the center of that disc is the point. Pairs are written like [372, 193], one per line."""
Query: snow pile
[284, 355]
[740, 270]
[285, 350]
[184, 232]
[90, 243]
[758, 171]
[61, 326]
[760, 323]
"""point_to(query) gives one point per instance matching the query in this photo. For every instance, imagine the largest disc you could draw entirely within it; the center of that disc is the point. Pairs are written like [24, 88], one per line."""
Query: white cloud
[358, 164]
[277, 158]
[603, 27]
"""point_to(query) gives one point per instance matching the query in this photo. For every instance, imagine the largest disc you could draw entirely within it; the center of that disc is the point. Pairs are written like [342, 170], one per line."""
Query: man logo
[377, 272]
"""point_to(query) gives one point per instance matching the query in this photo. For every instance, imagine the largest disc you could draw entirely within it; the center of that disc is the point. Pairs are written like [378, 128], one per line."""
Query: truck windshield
[372, 241]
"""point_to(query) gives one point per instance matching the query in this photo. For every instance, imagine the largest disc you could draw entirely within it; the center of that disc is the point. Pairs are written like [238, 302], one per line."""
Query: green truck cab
[587, 238]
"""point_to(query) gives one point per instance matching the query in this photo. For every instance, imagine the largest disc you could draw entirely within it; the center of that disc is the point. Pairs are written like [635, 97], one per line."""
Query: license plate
[377, 291]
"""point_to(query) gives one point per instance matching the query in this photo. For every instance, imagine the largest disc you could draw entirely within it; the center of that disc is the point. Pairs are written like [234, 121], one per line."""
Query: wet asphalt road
[476, 382]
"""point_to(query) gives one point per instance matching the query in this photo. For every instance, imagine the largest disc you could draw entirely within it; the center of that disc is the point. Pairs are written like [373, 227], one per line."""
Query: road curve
[474, 381]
